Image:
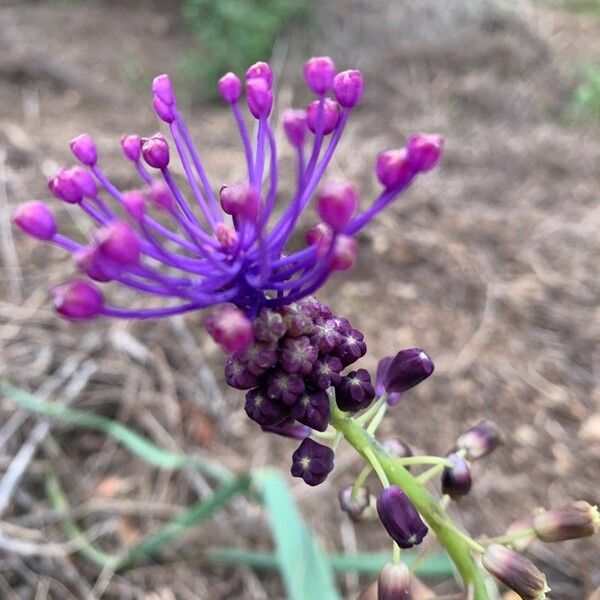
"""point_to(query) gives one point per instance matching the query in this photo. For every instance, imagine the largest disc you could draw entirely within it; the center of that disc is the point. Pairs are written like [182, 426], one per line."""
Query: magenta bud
[344, 253]
[134, 204]
[348, 87]
[329, 119]
[260, 70]
[240, 200]
[119, 242]
[480, 440]
[320, 236]
[336, 204]
[318, 73]
[131, 147]
[227, 236]
[570, 522]
[77, 300]
[230, 328]
[230, 87]
[456, 480]
[155, 151]
[394, 582]
[35, 219]
[259, 97]
[89, 260]
[424, 151]
[407, 369]
[161, 87]
[294, 125]
[84, 149]
[356, 505]
[163, 111]
[400, 518]
[393, 169]
[64, 187]
[85, 181]
[160, 195]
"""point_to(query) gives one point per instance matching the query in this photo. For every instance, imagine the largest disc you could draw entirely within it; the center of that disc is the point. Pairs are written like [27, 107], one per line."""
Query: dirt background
[490, 264]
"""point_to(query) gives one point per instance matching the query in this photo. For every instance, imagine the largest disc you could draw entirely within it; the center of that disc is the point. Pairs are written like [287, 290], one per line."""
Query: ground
[490, 263]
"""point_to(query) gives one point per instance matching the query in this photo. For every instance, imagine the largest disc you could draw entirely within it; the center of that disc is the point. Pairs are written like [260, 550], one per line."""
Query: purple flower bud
[84, 149]
[312, 308]
[134, 204]
[352, 347]
[325, 372]
[515, 571]
[163, 111]
[230, 328]
[325, 335]
[456, 480]
[480, 440]
[296, 321]
[393, 168]
[35, 219]
[297, 355]
[260, 70]
[265, 411]
[240, 200]
[90, 261]
[85, 181]
[294, 125]
[160, 195]
[312, 409]
[77, 300]
[283, 386]
[131, 147]
[161, 88]
[230, 87]
[400, 518]
[258, 357]
[269, 326]
[407, 369]
[318, 73]
[321, 237]
[238, 375]
[329, 119]
[155, 151]
[344, 253]
[119, 242]
[570, 522]
[355, 391]
[382, 367]
[64, 187]
[348, 87]
[259, 97]
[289, 430]
[336, 204]
[394, 583]
[354, 507]
[312, 461]
[424, 151]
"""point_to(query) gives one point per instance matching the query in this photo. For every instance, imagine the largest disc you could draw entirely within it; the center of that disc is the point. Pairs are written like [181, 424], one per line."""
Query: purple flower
[406, 370]
[325, 372]
[36, 220]
[297, 355]
[288, 429]
[312, 461]
[400, 518]
[263, 410]
[355, 391]
[312, 409]
[283, 386]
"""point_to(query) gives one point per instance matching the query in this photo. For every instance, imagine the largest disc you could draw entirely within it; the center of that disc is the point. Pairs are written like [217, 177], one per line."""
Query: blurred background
[490, 263]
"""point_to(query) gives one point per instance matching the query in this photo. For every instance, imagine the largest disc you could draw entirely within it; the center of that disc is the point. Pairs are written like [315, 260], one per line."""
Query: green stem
[438, 521]
[372, 410]
[425, 460]
[362, 477]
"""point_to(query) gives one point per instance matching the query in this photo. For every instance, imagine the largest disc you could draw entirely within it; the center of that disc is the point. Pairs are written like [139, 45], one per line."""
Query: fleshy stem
[453, 541]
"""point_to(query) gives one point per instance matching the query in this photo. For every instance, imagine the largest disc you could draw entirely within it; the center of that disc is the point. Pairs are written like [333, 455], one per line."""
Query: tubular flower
[214, 247]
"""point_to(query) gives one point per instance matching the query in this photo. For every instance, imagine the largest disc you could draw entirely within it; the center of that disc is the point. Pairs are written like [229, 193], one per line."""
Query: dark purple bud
[407, 369]
[294, 125]
[84, 149]
[119, 242]
[348, 87]
[344, 253]
[312, 409]
[85, 181]
[329, 119]
[161, 87]
[283, 386]
[354, 506]
[297, 355]
[230, 88]
[289, 430]
[227, 236]
[345, 328]
[296, 320]
[394, 582]
[325, 335]
[259, 357]
[259, 97]
[155, 151]
[351, 348]
[35, 219]
[77, 300]
[238, 375]
[312, 461]
[165, 112]
[269, 326]
[382, 367]
[260, 70]
[64, 187]
[456, 480]
[240, 200]
[480, 440]
[230, 328]
[160, 195]
[265, 411]
[393, 169]
[134, 204]
[336, 204]
[318, 73]
[355, 391]
[570, 522]
[424, 151]
[325, 372]
[515, 571]
[131, 147]
[400, 518]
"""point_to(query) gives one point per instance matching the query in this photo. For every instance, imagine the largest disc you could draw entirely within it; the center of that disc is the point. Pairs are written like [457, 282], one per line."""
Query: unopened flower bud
[515, 571]
[336, 204]
[344, 253]
[320, 236]
[155, 151]
[77, 300]
[400, 518]
[35, 219]
[325, 122]
[318, 73]
[160, 195]
[288, 430]
[162, 89]
[64, 187]
[163, 111]
[259, 97]
[480, 440]
[230, 328]
[348, 87]
[294, 125]
[407, 369]
[84, 149]
[382, 367]
[424, 151]
[570, 522]
[240, 200]
[84, 180]
[131, 147]
[394, 582]
[312, 409]
[134, 204]
[354, 506]
[90, 261]
[312, 461]
[119, 242]
[230, 87]
[263, 410]
[355, 391]
[260, 70]
[456, 480]
[392, 168]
